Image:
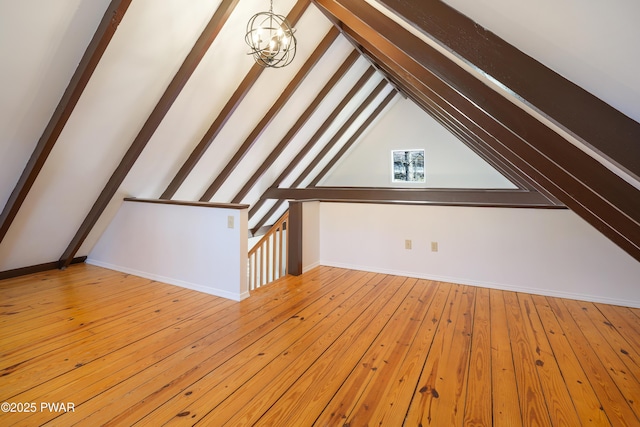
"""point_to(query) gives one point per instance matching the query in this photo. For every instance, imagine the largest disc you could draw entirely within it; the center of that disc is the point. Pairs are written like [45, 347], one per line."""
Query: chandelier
[271, 39]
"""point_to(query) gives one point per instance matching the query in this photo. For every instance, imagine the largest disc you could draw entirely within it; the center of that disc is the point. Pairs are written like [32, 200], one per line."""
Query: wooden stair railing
[268, 258]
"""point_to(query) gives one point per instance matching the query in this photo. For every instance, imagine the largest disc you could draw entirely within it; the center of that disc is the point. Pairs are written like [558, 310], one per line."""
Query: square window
[407, 166]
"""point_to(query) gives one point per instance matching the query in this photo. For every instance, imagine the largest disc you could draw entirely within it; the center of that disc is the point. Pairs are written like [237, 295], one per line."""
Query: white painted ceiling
[595, 44]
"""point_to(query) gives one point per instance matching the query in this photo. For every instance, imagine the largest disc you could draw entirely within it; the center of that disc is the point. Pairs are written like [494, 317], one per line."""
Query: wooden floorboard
[332, 347]
[505, 399]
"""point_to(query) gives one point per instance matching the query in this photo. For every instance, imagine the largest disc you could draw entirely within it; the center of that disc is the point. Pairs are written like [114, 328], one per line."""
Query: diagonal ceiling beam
[416, 91]
[484, 140]
[515, 176]
[570, 175]
[225, 114]
[302, 120]
[178, 82]
[412, 91]
[230, 107]
[602, 127]
[317, 135]
[356, 135]
[246, 146]
[341, 132]
[599, 196]
[436, 112]
[92, 55]
[327, 147]
[476, 144]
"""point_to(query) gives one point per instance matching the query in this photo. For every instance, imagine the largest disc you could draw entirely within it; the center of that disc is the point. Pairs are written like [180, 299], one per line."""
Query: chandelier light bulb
[270, 39]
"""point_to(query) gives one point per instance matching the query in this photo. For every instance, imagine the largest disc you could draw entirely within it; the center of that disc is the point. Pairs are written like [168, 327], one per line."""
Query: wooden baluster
[268, 258]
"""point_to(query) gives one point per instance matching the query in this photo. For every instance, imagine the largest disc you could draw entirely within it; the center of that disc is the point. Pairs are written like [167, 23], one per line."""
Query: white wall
[548, 252]
[448, 162]
[187, 246]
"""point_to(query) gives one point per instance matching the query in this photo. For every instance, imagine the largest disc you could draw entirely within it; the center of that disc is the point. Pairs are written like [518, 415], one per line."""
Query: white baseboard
[499, 286]
[310, 267]
[171, 281]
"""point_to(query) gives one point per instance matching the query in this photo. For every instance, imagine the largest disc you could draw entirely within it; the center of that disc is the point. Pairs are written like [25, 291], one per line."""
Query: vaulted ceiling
[157, 99]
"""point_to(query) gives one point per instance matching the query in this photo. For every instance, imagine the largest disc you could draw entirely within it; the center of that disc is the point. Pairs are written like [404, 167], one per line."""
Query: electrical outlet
[230, 222]
[434, 246]
[407, 244]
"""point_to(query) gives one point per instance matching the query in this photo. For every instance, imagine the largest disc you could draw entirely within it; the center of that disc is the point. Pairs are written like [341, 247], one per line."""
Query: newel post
[294, 234]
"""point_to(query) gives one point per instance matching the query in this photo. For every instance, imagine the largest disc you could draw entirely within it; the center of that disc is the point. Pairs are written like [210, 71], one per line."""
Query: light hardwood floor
[330, 348]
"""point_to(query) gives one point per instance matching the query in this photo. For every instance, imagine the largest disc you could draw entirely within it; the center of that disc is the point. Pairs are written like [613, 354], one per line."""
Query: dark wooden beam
[232, 206]
[216, 126]
[294, 236]
[356, 135]
[157, 115]
[327, 147]
[284, 97]
[516, 177]
[316, 137]
[92, 55]
[445, 197]
[24, 271]
[598, 195]
[225, 114]
[602, 127]
[293, 131]
[472, 142]
[272, 211]
[416, 91]
[468, 131]
[260, 231]
[340, 132]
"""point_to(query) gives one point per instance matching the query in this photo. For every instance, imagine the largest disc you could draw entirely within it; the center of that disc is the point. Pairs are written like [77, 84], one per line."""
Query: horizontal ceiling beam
[486, 198]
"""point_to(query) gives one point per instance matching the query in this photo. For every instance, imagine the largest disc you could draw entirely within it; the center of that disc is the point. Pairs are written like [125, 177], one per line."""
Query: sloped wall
[41, 44]
[589, 43]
